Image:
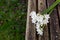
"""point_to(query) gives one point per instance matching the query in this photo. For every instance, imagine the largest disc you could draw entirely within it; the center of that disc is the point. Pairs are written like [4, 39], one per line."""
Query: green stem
[51, 7]
[51, 11]
[58, 0]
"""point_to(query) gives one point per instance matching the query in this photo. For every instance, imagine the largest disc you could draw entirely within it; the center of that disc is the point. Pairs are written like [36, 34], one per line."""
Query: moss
[12, 20]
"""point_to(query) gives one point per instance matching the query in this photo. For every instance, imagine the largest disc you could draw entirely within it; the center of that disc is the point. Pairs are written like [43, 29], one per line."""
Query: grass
[12, 19]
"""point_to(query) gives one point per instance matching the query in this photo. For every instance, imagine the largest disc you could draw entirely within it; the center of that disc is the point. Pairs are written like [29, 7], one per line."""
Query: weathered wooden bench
[52, 30]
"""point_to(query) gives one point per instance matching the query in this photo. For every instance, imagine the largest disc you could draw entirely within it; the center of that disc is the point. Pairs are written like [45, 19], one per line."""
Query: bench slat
[54, 23]
[59, 13]
[30, 29]
[59, 19]
[41, 7]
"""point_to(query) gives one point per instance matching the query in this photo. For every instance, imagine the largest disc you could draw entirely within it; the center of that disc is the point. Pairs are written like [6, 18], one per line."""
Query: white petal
[33, 13]
[40, 32]
[45, 21]
[33, 21]
[39, 18]
[47, 16]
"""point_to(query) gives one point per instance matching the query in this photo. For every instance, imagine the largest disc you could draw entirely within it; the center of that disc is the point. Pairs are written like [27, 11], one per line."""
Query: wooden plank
[30, 29]
[41, 5]
[54, 23]
[59, 18]
[41, 8]
[46, 34]
[59, 13]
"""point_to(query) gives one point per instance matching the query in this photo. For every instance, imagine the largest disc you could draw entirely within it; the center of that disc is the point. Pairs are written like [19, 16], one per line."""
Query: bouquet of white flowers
[41, 20]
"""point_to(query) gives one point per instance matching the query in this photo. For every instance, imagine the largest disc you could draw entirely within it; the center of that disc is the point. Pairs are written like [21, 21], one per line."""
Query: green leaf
[51, 7]
[58, 0]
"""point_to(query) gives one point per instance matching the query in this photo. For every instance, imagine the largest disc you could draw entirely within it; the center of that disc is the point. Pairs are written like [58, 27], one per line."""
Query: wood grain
[54, 23]
[30, 28]
[59, 14]
[59, 19]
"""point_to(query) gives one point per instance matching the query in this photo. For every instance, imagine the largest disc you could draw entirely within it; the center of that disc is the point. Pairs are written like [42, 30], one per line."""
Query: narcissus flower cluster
[40, 21]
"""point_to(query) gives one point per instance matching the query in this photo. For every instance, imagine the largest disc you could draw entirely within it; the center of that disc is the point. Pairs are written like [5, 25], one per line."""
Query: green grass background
[12, 19]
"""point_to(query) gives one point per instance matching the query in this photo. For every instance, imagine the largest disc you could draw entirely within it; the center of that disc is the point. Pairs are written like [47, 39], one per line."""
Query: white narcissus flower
[45, 21]
[33, 16]
[39, 29]
[46, 16]
[33, 20]
[39, 18]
